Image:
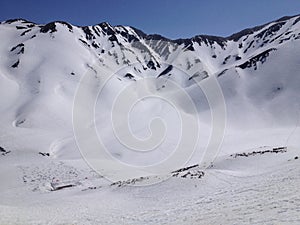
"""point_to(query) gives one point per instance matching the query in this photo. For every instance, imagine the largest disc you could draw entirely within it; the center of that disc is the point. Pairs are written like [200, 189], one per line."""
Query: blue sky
[170, 18]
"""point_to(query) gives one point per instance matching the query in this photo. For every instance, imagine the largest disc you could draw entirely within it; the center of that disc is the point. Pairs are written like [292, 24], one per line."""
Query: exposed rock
[258, 58]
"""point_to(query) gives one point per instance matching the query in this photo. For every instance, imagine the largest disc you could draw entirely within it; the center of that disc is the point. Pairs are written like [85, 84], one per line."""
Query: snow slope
[254, 179]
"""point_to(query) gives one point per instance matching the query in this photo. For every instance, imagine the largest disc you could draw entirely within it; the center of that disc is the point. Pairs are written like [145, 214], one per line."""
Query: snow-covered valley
[235, 143]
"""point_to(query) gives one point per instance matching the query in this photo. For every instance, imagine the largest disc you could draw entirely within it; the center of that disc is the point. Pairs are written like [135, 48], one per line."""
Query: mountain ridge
[45, 63]
[233, 36]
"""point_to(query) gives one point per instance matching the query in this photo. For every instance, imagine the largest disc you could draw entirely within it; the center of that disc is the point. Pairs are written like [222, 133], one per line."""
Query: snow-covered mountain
[42, 67]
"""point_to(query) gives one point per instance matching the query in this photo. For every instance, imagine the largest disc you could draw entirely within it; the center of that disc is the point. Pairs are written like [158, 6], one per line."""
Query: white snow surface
[44, 178]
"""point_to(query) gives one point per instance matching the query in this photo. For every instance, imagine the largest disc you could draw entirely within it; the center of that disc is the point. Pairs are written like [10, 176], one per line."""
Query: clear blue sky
[170, 18]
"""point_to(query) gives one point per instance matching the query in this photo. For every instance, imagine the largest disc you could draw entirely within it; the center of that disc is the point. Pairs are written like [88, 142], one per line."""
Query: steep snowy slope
[44, 67]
